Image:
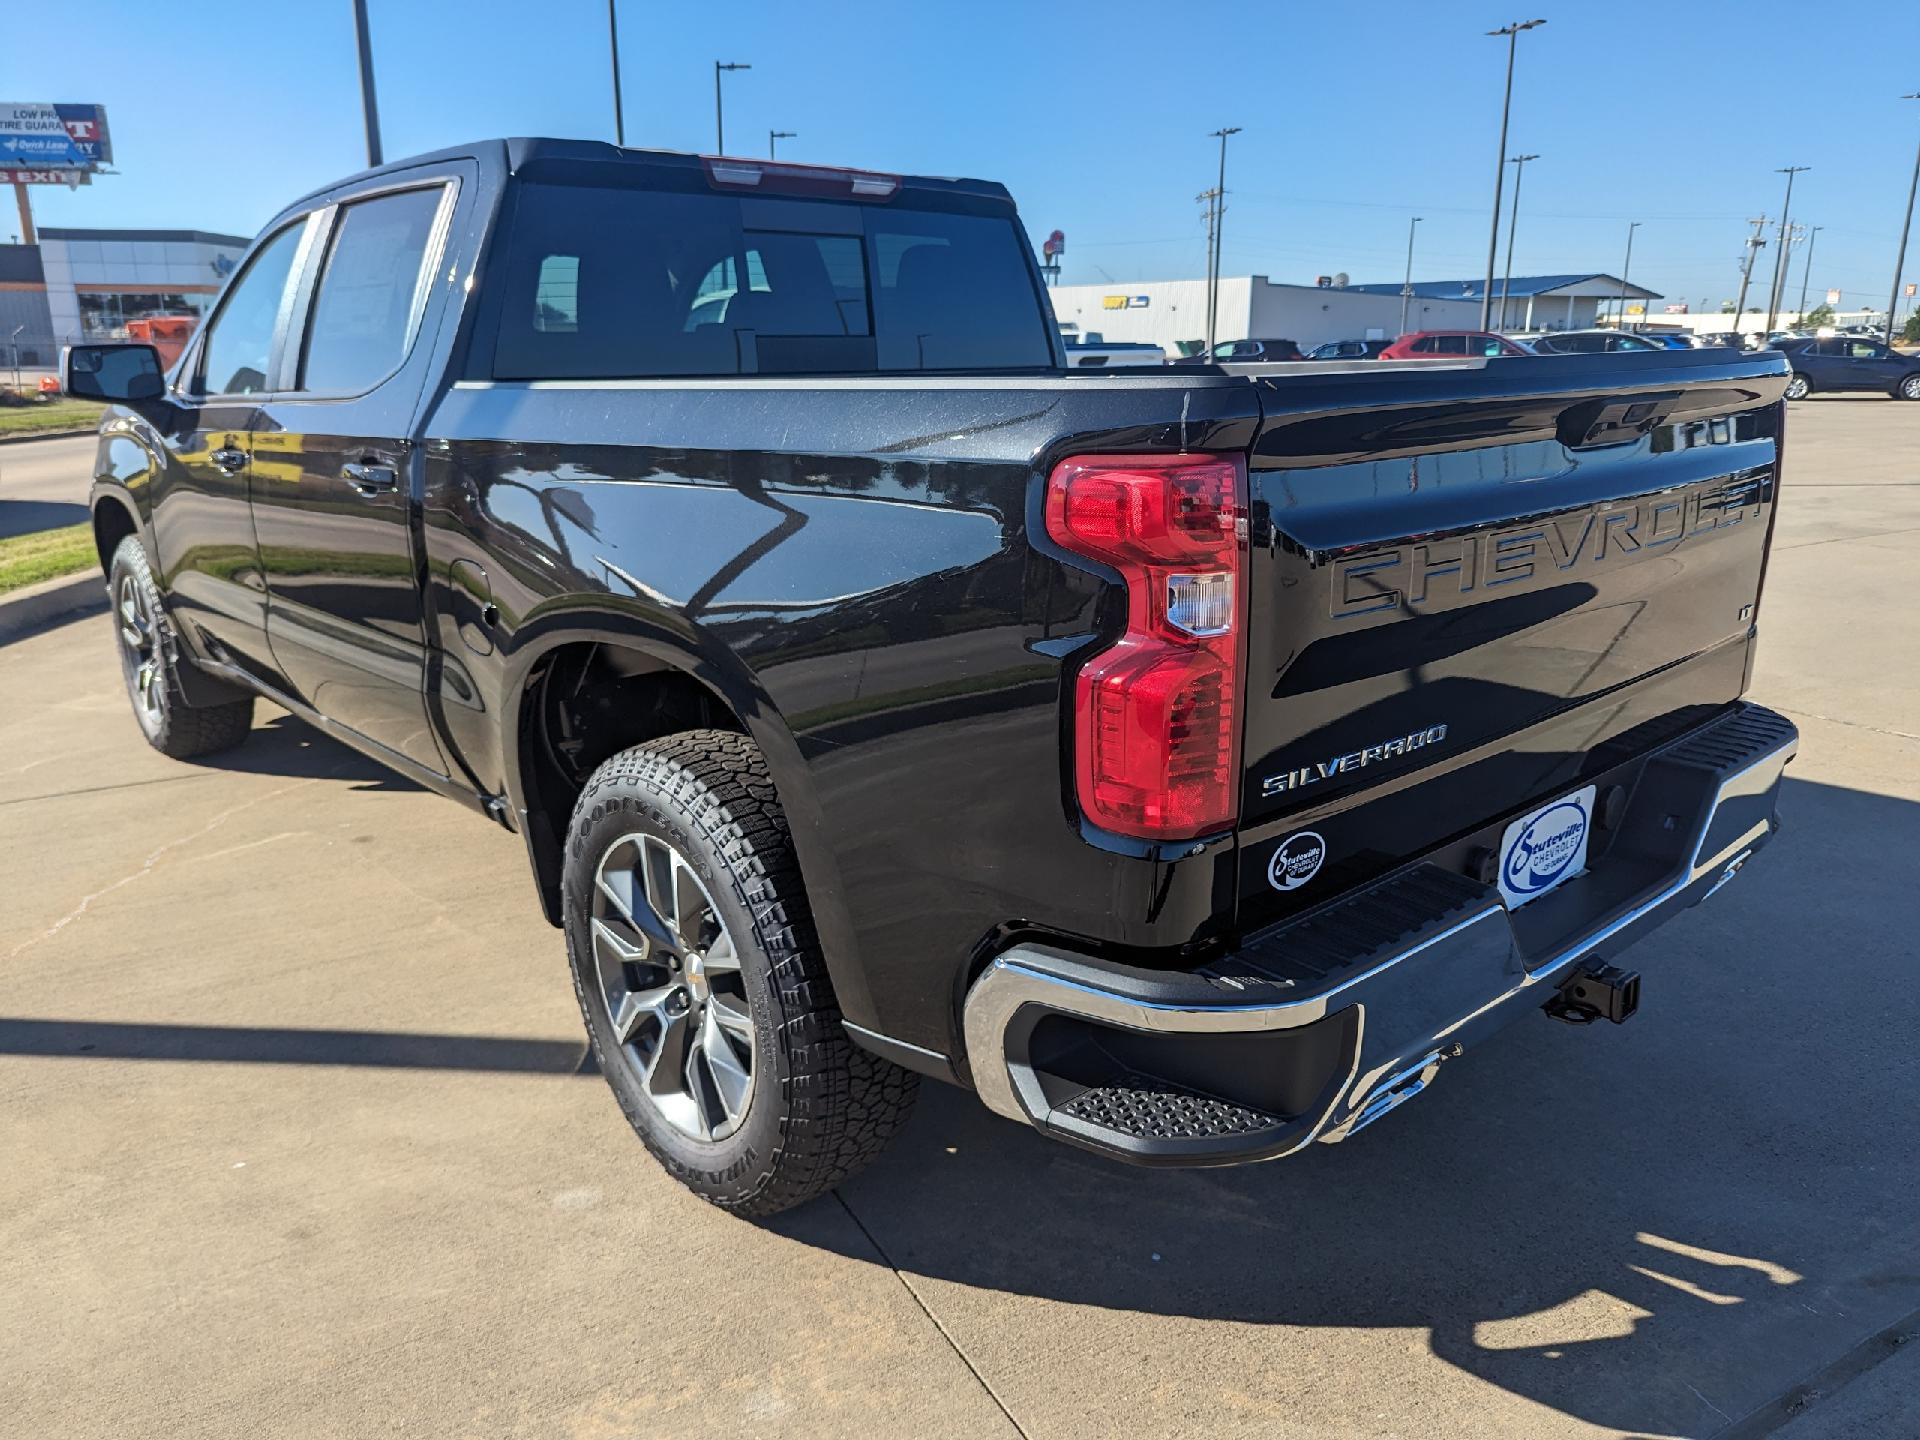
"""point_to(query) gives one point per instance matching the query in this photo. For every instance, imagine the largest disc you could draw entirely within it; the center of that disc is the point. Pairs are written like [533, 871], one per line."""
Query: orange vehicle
[166, 333]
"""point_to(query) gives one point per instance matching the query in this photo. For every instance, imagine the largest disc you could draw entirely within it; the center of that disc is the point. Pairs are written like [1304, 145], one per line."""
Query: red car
[1434, 344]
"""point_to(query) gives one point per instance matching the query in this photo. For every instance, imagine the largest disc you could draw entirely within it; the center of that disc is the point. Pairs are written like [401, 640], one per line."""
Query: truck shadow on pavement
[283, 744]
[1638, 1226]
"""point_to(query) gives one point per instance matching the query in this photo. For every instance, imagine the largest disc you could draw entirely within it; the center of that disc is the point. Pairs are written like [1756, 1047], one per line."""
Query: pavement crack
[1771, 1414]
[1850, 724]
[147, 866]
[102, 789]
[945, 1334]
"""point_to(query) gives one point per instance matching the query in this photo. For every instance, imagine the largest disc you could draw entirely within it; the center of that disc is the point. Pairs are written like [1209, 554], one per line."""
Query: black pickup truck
[1192, 763]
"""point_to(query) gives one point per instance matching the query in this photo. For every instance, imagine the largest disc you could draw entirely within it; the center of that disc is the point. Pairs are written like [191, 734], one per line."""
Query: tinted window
[1866, 350]
[239, 345]
[602, 283]
[1819, 347]
[1450, 345]
[369, 291]
[1492, 347]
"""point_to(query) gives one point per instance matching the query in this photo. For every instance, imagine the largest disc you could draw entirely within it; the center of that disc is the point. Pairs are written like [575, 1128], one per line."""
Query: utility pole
[1519, 163]
[613, 48]
[369, 107]
[774, 137]
[1219, 229]
[719, 120]
[1807, 274]
[1756, 242]
[1624, 268]
[1406, 286]
[1795, 234]
[1900, 262]
[1512, 32]
[1209, 198]
[1780, 256]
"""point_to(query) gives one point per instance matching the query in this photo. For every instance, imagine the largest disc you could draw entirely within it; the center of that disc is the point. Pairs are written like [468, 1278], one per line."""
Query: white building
[1173, 313]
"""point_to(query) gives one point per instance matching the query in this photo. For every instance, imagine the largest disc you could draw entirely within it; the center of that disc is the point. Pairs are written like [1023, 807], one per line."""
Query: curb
[51, 600]
[33, 435]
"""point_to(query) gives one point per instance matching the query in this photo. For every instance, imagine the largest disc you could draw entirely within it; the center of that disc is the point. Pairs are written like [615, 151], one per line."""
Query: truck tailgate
[1472, 586]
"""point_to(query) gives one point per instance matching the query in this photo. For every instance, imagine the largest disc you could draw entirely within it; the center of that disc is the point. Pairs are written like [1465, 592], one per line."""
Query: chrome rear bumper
[1068, 1043]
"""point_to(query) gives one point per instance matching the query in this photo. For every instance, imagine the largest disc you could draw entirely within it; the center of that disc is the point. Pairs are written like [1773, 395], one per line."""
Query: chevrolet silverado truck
[1191, 763]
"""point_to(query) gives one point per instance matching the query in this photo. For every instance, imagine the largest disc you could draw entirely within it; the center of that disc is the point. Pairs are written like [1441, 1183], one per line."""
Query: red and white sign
[1833, 297]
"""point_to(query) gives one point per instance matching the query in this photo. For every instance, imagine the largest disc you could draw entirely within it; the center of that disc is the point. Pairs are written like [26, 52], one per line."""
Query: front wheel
[1798, 387]
[698, 971]
[148, 662]
[1908, 388]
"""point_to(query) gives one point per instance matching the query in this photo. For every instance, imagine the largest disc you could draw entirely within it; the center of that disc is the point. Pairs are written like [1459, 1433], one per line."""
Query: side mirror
[119, 374]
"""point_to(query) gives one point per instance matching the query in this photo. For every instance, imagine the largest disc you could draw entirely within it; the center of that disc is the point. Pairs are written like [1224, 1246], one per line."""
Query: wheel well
[583, 703]
[112, 523]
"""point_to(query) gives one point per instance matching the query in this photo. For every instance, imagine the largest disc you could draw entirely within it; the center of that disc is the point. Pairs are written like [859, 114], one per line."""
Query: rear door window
[605, 283]
[370, 291]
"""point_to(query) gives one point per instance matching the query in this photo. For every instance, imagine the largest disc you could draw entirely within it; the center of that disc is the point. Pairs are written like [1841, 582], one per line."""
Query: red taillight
[1157, 714]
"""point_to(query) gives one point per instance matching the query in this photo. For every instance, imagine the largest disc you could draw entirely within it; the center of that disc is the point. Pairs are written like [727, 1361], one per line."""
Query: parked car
[1449, 344]
[1349, 350]
[1244, 352]
[1096, 352]
[1722, 339]
[1844, 362]
[1593, 342]
[876, 697]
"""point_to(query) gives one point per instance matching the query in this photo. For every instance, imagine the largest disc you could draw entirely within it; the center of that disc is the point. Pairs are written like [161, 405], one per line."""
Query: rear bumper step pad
[1316, 1028]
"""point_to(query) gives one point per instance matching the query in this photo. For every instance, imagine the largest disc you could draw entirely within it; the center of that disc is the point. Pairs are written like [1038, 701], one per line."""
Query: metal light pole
[369, 107]
[1512, 32]
[1219, 226]
[1406, 287]
[1625, 268]
[1780, 256]
[774, 137]
[1807, 274]
[613, 49]
[1899, 264]
[719, 121]
[1519, 163]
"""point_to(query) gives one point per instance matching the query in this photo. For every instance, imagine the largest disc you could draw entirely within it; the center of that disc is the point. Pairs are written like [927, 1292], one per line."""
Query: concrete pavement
[296, 1142]
[43, 483]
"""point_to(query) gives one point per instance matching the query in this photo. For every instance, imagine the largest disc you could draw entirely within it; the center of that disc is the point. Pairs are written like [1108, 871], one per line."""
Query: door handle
[229, 460]
[370, 479]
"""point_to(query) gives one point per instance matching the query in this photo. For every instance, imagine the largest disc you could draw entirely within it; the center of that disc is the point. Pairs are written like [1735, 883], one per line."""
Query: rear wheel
[1798, 387]
[700, 978]
[149, 661]
[1909, 387]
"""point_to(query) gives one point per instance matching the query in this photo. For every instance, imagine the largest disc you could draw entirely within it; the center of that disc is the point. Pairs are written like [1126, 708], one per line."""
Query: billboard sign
[35, 136]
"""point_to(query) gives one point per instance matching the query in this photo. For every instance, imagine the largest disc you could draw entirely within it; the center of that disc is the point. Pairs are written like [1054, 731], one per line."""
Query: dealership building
[1173, 313]
[76, 285]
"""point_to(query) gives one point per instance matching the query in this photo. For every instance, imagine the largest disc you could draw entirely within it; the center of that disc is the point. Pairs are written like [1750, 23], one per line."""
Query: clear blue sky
[1355, 116]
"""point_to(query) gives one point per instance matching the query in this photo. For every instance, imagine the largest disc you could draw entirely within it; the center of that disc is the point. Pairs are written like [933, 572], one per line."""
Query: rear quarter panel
[854, 567]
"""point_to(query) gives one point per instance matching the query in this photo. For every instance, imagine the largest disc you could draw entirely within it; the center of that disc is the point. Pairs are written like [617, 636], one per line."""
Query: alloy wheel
[1797, 388]
[670, 978]
[139, 650]
[1910, 387]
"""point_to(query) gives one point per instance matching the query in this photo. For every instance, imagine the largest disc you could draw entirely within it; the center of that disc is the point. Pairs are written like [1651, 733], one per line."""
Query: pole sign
[53, 140]
[1833, 297]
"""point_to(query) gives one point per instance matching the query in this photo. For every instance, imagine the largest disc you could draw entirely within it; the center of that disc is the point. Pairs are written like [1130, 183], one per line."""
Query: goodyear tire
[150, 661]
[700, 978]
